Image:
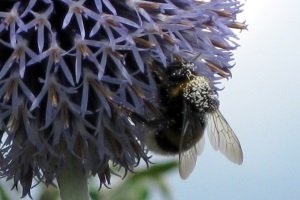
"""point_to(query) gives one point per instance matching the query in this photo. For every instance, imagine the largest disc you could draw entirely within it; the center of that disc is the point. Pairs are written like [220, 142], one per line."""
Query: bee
[189, 106]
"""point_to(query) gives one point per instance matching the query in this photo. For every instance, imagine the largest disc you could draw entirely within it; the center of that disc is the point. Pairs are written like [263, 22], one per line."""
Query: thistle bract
[76, 76]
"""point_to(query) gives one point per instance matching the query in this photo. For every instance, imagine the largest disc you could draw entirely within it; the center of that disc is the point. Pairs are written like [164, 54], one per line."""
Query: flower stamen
[53, 96]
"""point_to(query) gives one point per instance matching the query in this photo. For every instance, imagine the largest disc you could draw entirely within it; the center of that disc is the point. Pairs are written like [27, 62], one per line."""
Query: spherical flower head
[76, 77]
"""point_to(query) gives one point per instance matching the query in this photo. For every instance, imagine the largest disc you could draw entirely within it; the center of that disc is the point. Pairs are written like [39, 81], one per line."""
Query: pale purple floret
[108, 5]
[55, 55]
[10, 20]
[18, 56]
[76, 8]
[40, 22]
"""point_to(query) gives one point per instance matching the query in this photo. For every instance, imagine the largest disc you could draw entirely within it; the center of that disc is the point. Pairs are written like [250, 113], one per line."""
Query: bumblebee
[188, 107]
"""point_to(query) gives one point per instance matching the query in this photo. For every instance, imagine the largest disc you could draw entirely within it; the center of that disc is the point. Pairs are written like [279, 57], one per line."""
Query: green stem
[72, 180]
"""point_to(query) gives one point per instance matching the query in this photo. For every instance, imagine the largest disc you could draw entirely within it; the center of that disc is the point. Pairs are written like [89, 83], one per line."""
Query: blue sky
[262, 104]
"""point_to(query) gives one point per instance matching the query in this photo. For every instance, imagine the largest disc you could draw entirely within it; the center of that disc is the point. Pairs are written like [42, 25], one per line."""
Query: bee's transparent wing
[222, 137]
[188, 159]
[191, 127]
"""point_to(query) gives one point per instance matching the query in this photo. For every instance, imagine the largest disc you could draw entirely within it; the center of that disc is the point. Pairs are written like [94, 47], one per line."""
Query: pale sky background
[262, 104]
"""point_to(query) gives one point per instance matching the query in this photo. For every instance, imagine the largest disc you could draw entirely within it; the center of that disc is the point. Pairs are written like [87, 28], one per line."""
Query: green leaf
[49, 193]
[139, 185]
[3, 195]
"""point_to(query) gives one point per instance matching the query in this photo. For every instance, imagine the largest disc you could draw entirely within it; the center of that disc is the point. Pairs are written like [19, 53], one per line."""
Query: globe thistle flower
[76, 77]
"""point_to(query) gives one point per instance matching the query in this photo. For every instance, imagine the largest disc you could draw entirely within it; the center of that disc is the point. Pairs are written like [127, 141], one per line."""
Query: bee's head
[180, 70]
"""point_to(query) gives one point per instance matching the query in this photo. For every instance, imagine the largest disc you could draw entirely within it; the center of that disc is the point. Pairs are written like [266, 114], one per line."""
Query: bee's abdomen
[168, 137]
[168, 141]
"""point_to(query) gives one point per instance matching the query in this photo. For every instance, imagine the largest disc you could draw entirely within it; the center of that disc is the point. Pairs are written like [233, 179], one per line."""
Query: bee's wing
[188, 158]
[222, 137]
